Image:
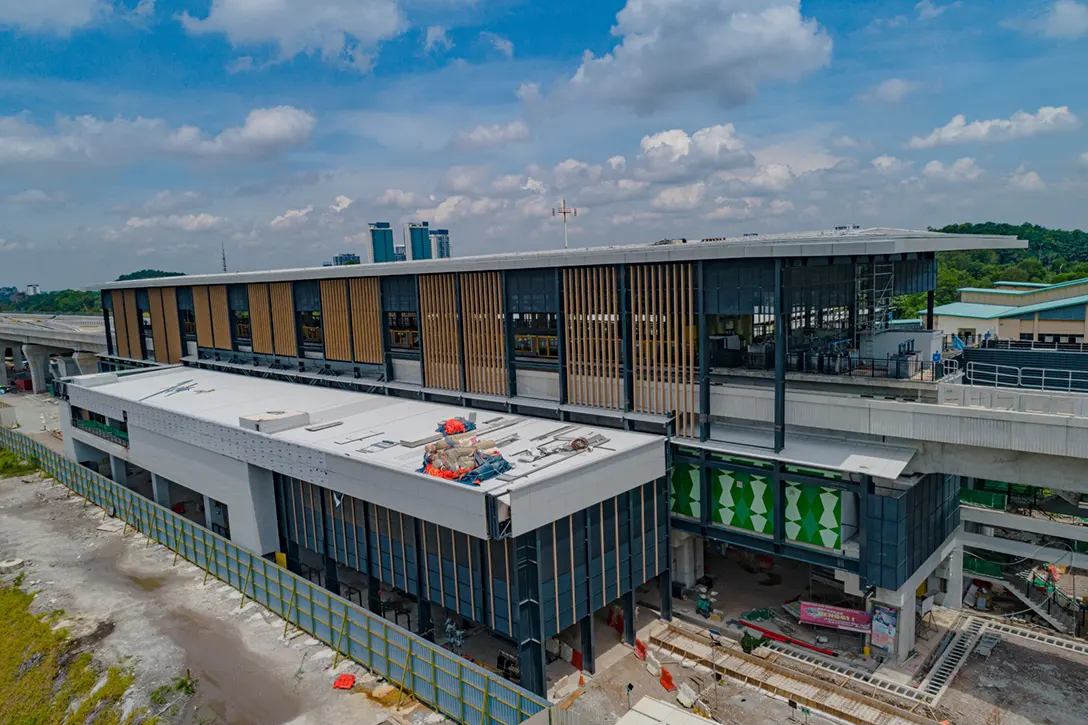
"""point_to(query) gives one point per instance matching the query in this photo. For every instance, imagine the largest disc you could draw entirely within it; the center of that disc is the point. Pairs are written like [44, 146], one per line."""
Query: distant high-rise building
[417, 240]
[381, 243]
[33, 289]
[347, 258]
[440, 243]
[399, 254]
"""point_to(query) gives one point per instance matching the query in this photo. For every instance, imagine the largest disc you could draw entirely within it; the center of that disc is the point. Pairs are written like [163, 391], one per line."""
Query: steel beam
[780, 342]
[530, 624]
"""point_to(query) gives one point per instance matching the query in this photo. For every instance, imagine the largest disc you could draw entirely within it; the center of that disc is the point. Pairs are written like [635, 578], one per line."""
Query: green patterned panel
[815, 473]
[743, 500]
[813, 515]
[686, 492]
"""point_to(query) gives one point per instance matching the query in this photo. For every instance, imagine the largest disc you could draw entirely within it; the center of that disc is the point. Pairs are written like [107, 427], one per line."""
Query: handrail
[1009, 376]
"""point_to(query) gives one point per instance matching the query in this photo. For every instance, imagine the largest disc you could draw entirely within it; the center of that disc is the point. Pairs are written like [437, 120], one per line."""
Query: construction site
[709, 473]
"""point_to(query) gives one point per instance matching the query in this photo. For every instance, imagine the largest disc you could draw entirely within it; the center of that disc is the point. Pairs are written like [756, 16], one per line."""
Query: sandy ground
[1031, 683]
[163, 621]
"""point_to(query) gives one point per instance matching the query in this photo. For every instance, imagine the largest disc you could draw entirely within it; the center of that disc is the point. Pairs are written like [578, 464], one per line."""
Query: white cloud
[963, 169]
[1048, 119]
[436, 39]
[888, 163]
[340, 30]
[1025, 180]
[1084, 158]
[291, 218]
[1064, 19]
[341, 203]
[610, 191]
[32, 196]
[493, 135]
[673, 154]
[397, 198]
[465, 179]
[459, 206]
[725, 50]
[846, 142]
[537, 187]
[772, 177]
[168, 201]
[680, 198]
[528, 92]
[182, 222]
[573, 172]
[6, 246]
[618, 163]
[892, 90]
[87, 139]
[242, 64]
[927, 9]
[61, 17]
[499, 43]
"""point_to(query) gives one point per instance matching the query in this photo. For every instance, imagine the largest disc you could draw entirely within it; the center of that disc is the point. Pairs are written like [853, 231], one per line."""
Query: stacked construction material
[460, 457]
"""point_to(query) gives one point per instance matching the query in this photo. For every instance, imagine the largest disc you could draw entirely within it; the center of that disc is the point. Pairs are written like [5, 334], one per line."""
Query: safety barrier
[457, 688]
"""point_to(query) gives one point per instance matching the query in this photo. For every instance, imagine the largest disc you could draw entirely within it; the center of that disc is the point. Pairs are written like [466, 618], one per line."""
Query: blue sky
[146, 133]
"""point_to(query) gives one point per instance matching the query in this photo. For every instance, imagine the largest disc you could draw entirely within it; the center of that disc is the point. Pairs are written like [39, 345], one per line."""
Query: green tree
[148, 274]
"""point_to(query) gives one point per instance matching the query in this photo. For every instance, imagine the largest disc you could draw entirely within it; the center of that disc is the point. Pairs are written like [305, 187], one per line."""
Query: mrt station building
[294, 406]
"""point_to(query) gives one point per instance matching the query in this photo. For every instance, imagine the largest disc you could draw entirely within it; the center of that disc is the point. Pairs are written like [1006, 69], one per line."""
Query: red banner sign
[822, 615]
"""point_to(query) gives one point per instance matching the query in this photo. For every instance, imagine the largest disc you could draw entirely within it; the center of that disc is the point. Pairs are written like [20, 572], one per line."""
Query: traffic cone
[581, 681]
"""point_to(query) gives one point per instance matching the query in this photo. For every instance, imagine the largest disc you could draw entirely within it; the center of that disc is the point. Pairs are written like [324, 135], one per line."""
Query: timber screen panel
[202, 310]
[173, 323]
[260, 318]
[485, 342]
[592, 318]
[663, 342]
[366, 323]
[132, 325]
[283, 319]
[335, 320]
[220, 316]
[158, 325]
[438, 323]
[120, 329]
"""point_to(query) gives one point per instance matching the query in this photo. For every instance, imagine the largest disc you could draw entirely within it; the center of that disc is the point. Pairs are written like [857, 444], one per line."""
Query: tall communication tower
[223, 248]
[564, 210]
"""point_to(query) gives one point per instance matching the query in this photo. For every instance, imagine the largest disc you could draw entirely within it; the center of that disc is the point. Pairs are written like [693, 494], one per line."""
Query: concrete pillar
[208, 506]
[37, 357]
[904, 638]
[698, 547]
[160, 490]
[683, 558]
[118, 472]
[87, 362]
[4, 345]
[953, 598]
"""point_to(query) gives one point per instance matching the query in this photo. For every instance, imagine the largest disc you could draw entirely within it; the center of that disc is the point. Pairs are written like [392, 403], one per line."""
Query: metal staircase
[1022, 584]
[953, 658]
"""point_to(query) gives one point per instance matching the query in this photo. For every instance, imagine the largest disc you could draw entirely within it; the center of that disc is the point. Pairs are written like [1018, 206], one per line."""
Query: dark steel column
[778, 506]
[626, 342]
[422, 342]
[780, 342]
[508, 341]
[589, 653]
[424, 623]
[105, 321]
[383, 320]
[460, 331]
[863, 531]
[332, 578]
[665, 577]
[929, 310]
[373, 584]
[704, 356]
[629, 617]
[530, 625]
[562, 337]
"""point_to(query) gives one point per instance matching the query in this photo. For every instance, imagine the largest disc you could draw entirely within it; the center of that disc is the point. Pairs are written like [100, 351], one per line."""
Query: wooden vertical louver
[260, 319]
[663, 343]
[120, 329]
[158, 325]
[220, 316]
[366, 322]
[438, 325]
[169, 299]
[132, 323]
[482, 320]
[335, 320]
[592, 331]
[202, 311]
[283, 319]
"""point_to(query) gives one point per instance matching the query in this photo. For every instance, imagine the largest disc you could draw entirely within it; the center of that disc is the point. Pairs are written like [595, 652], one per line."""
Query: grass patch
[13, 465]
[45, 680]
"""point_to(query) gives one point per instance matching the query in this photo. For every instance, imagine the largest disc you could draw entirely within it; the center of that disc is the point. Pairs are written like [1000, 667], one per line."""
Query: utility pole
[223, 248]
[563, 210]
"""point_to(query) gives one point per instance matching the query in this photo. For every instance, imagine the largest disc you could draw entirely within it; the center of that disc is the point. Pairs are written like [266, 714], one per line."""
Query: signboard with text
[823, 615]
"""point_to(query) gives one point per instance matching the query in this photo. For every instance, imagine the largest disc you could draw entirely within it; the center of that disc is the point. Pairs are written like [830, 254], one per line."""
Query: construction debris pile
[459, 456]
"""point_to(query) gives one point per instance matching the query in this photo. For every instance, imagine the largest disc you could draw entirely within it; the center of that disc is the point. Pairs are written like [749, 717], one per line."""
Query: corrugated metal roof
[1053, 305]
[1022, 284]
[976, 310]
[1035, 287]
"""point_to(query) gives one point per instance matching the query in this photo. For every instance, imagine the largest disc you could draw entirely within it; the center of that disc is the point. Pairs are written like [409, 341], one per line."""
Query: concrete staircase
[1021, 583]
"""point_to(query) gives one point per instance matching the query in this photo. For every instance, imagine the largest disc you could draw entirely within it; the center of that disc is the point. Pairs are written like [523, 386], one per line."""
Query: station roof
[374, 433]
[1031, 287]
[976, 310]
[833, 243]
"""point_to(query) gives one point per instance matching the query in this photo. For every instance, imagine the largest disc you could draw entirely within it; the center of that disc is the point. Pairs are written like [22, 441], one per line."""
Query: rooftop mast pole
[563, 210]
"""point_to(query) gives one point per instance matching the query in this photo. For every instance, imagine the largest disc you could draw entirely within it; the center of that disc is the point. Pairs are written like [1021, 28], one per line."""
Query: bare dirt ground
[162, 621]
[1031, 683]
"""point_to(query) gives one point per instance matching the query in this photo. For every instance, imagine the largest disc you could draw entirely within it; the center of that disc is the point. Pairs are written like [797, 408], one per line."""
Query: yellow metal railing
[459, 689]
